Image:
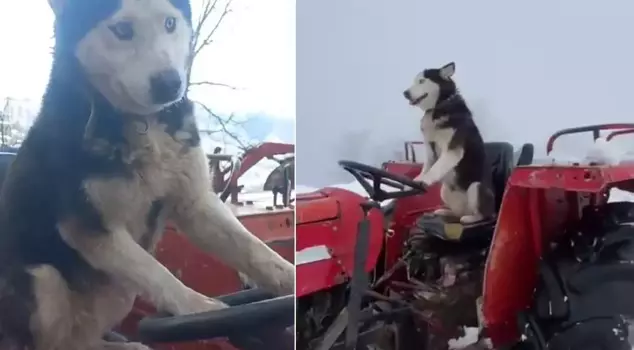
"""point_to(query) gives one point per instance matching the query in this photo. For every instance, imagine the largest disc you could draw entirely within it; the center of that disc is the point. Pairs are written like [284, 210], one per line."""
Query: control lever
[359, 279]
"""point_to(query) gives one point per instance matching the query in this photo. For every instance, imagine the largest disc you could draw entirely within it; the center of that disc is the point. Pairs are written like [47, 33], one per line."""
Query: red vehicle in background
[255, 319]
[380, 271]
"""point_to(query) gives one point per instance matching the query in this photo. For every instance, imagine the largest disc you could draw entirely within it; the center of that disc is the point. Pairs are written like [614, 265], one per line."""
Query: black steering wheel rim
[363, 172]
[254, 320]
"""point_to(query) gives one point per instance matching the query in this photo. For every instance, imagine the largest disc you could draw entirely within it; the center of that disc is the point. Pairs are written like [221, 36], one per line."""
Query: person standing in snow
[217, 174]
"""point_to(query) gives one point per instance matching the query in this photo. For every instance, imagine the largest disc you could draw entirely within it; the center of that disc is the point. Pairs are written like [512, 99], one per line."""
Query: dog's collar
[444, 102]
[141, 123]
[102, 146]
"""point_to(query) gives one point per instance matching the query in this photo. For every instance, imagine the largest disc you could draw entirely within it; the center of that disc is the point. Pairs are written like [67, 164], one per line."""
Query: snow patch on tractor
[602, 152]
[470, 337]
[618, 195]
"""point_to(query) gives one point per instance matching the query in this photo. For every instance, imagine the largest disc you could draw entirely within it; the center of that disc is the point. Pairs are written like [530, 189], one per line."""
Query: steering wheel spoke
[371, 179]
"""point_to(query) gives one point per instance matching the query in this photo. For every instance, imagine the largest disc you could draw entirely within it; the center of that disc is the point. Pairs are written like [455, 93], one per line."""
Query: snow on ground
[253, 180]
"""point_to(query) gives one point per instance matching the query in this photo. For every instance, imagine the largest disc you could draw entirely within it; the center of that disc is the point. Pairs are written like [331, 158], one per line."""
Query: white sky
[254, 51]
[527, 69]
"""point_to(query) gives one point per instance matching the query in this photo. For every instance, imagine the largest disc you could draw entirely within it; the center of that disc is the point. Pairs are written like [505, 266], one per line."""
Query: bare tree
[4, 121]
[11, 132]
[211, 16]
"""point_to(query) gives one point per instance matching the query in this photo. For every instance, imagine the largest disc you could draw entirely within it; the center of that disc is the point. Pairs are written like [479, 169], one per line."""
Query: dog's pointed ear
[57, 6]
[447, 71]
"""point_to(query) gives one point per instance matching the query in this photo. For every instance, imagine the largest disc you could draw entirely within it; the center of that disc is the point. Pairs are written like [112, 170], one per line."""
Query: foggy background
[526, 69]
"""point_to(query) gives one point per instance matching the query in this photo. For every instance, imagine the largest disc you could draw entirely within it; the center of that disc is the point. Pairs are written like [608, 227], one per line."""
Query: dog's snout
[165, 86]
[407, 94]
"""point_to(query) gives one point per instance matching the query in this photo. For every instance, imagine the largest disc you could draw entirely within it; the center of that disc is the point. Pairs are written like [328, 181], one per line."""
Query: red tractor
[380, 271]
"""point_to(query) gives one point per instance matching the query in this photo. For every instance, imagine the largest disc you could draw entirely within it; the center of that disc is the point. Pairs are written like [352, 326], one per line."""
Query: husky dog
[113, 153]
[454, 147]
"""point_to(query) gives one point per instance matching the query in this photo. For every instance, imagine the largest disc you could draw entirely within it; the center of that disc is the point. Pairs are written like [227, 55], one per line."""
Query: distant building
[16, 117]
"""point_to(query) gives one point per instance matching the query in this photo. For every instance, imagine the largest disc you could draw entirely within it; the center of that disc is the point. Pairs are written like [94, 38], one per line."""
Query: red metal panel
[316, 210]
[339, 236]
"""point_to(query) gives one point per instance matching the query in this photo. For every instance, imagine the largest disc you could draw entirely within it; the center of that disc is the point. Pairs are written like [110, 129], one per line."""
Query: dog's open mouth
[418, 100]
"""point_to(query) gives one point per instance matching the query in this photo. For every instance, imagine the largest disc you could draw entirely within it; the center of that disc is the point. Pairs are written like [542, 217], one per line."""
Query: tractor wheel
[583, 299]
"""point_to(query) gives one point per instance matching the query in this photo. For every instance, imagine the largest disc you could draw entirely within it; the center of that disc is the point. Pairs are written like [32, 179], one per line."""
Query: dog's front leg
[103, 345]
[445, 163]
[430, 159]
[210, 225]
[121, 258]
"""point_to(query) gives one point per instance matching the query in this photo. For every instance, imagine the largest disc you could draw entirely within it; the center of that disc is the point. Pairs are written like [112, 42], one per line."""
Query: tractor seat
[502, 160]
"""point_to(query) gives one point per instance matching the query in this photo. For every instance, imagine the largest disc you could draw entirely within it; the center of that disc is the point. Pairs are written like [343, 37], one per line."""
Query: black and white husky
[113, 153]
[455, 153]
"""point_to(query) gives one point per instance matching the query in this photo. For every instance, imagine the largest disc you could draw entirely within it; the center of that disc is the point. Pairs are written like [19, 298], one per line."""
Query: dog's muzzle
[412, 102]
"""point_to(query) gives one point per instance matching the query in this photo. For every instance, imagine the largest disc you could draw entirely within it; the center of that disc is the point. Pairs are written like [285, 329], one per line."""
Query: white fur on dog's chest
[432, 133]
[163, 166]
[437, 139]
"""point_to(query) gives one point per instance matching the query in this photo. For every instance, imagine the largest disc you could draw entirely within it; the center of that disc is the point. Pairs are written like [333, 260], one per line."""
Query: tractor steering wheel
[363, 173]
[254, 320]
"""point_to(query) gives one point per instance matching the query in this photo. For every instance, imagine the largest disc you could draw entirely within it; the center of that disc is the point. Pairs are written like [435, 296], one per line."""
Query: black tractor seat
[524, 155]
[502, 159]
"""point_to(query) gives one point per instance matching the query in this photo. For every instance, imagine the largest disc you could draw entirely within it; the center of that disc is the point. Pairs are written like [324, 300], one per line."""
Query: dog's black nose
[165, 86]
[407, 94]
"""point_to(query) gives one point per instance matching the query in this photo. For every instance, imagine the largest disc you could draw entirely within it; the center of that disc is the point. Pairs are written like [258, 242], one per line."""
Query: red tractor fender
[326, 234]
[538, 204]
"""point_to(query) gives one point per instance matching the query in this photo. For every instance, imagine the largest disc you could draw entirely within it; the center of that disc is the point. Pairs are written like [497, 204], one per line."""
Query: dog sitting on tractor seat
[114, 152]
[455, 153]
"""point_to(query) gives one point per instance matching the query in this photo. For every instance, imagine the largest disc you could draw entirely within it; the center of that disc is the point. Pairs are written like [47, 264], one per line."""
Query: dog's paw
[121, 346]
[196, 303]
[421, 179]
[443, 212]
[471, 219]
[136, 346]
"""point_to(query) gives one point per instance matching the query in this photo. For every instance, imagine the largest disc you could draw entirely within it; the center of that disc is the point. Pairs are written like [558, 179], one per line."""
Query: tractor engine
[445, 281]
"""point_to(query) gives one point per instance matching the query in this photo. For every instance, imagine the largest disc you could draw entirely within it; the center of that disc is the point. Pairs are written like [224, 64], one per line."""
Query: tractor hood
[326, 235]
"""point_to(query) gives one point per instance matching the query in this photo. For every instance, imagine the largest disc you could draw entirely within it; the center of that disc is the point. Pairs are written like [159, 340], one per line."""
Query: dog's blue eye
[170, 24]
[123, 30]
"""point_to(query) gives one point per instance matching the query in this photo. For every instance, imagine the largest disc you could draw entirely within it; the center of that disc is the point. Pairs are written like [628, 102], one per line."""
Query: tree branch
[204, 30]
[223, 124]
[208, 9]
